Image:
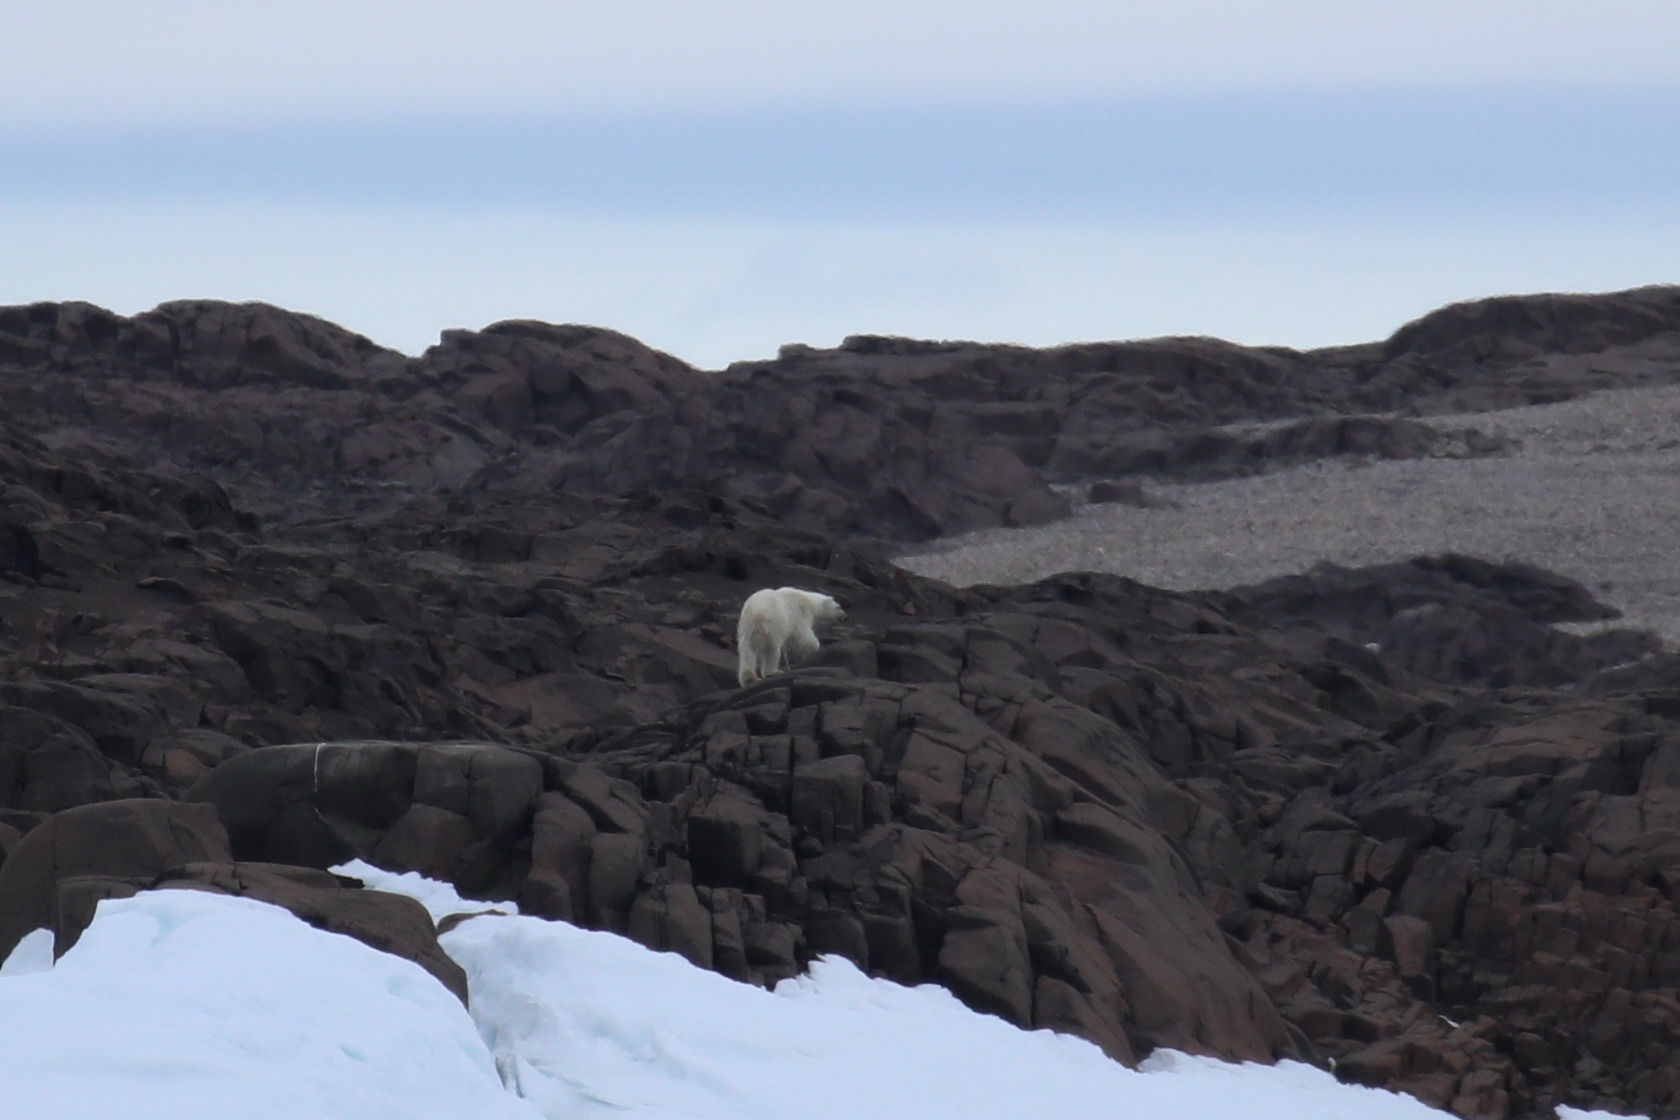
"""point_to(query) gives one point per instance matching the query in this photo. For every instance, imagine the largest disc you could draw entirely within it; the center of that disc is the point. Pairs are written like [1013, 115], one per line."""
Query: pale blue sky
[719, 178]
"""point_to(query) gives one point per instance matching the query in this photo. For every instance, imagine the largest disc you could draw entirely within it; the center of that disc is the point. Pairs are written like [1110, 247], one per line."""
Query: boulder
[128, 841]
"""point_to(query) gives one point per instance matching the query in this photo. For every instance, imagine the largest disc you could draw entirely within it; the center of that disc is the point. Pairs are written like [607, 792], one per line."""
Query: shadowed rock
[56, 876]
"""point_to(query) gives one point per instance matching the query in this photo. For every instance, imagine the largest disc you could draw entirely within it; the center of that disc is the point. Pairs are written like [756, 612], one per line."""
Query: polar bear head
[824, 608]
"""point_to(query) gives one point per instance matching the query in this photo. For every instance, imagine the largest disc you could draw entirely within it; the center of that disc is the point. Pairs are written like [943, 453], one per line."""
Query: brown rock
[670, 916]
[391, 923]
[1410, 944]
[134, 840]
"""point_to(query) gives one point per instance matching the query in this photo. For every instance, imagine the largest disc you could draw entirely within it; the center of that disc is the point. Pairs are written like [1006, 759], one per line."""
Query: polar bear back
[778, 624]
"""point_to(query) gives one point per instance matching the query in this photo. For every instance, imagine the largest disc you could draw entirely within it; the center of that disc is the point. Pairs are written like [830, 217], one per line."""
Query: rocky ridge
[274, 597]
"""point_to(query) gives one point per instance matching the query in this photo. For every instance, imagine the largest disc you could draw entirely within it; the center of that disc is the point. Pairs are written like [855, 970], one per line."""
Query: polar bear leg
[759, 647]
[800, 644]
[773, 652]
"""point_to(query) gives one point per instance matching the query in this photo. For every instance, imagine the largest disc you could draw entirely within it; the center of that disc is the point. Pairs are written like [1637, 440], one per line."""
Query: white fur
[777, 625]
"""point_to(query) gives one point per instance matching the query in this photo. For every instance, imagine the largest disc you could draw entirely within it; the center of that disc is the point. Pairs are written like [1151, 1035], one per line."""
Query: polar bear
[778, 624]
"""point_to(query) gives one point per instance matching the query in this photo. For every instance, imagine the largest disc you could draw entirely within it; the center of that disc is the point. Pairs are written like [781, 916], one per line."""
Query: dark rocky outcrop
[59, 873]
[1453, 619]
[1209, 454]
[900, 830]
[882, 437]
[271, 597]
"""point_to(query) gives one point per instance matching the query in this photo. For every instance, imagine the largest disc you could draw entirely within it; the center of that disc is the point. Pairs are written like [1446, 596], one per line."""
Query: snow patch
[180, 1005]
[32, 954]
[588, 1025]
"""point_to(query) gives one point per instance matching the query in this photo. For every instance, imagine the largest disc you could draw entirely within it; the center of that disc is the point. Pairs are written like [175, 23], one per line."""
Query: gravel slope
[1592, 491]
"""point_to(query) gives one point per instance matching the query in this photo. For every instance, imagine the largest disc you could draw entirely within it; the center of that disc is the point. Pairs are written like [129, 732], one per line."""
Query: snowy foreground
[179, 1004]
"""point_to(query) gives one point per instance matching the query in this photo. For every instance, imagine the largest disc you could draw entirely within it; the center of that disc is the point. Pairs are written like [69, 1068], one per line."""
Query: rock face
[61, 871]
[271, 597]
[1453, 619]
[882, 437]
[288, 405]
